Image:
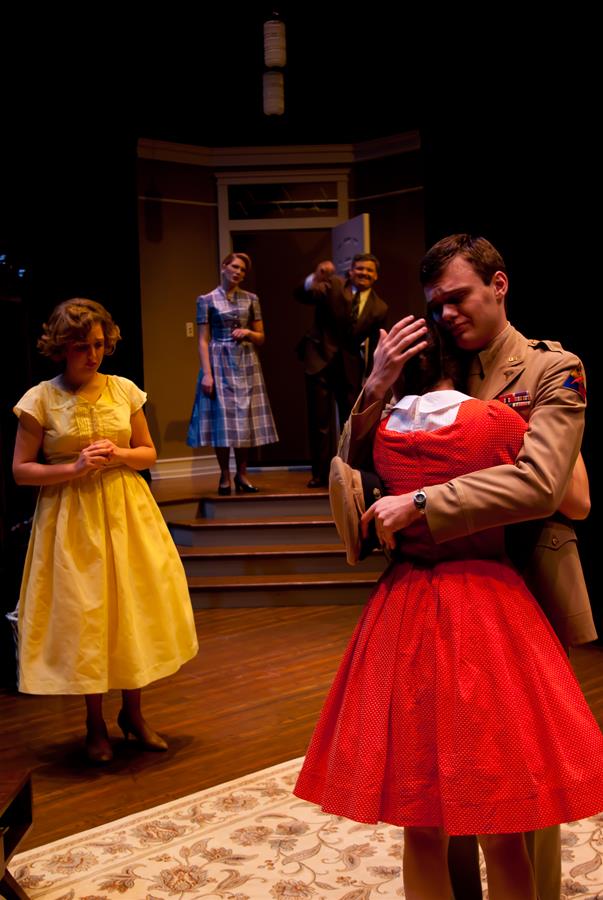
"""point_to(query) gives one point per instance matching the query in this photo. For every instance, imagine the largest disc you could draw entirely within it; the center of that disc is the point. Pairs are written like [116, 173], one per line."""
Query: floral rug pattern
[250, 839]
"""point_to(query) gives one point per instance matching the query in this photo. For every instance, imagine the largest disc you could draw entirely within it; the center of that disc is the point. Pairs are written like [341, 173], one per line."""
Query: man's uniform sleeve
[357, 436]
[534, 487]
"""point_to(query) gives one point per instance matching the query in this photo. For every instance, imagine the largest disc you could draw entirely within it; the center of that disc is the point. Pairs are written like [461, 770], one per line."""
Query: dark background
[506, 112]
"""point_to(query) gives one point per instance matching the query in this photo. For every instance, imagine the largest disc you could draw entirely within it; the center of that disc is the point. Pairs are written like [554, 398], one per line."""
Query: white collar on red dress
[426, 412]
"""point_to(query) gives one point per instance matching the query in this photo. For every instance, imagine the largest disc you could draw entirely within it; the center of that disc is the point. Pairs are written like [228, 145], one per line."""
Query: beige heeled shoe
[146, 737]
[98, 747]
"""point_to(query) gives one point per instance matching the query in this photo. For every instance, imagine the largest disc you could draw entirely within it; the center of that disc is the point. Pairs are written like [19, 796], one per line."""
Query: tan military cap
[351, 492]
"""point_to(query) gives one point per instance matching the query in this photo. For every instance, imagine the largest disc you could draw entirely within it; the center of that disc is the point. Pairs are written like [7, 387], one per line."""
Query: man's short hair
[365, 257]
[479, 253]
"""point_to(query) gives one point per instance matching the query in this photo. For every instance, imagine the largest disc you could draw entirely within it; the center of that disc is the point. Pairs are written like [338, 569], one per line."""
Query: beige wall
[178, 261]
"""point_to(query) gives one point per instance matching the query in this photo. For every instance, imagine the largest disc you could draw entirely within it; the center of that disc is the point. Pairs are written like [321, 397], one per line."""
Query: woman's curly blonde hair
[71, 321]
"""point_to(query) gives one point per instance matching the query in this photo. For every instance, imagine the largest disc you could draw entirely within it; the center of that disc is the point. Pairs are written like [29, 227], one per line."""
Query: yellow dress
[104, 601]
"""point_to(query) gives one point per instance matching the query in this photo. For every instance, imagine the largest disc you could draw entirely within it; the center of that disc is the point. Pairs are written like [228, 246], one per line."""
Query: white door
[349, 238]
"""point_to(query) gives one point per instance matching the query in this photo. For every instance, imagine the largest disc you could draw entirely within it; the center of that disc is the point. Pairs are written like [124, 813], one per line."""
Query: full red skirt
[455, 706]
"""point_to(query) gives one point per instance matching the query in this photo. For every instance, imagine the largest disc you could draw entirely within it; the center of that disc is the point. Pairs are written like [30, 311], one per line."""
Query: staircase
[275, 548]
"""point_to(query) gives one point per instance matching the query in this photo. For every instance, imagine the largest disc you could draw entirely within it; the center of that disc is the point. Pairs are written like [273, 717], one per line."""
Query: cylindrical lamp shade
[275, 47]
[274, 94]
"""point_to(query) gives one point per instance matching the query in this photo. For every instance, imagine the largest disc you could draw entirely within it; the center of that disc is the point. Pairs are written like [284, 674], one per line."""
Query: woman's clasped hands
[100, 454]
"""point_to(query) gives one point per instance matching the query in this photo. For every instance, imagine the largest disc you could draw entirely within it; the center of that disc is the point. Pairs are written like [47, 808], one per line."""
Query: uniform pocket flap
[556, 536]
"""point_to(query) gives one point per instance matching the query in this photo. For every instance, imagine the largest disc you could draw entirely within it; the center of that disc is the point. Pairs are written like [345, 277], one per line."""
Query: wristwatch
[420, 501]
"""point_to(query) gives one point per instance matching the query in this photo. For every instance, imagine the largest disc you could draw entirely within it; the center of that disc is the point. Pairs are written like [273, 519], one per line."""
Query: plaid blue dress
[238, 414]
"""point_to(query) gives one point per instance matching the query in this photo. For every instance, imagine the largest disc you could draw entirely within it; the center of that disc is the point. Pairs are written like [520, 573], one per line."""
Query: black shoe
[317, 482]
[244, 486]
[224, 489]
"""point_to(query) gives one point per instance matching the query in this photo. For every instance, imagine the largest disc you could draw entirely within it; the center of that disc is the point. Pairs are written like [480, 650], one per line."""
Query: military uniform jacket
[545, 384]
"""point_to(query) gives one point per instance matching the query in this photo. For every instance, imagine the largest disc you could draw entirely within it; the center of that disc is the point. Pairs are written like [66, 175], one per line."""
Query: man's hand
[391, 354]
[321, 280]
[390, 514]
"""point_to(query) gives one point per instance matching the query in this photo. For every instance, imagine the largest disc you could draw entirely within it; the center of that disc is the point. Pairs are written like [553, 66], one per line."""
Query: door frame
[228, 226]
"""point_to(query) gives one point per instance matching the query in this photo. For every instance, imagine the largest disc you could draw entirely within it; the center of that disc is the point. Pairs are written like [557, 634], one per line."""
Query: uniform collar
[497, 365]
[484, 360]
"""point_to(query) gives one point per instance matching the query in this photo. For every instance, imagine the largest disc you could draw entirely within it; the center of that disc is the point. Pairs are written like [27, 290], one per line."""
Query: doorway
[281, 260]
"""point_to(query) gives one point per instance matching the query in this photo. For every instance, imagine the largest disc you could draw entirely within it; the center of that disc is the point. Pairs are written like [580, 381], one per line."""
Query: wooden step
[253, 532]
[265, 505]
[278, 547]
[247, 506]
[313, 589]
[283, 559]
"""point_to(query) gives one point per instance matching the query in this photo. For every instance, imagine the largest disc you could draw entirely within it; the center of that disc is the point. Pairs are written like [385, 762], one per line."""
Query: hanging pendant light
[275, 58]
[274, 94]
[275, 46]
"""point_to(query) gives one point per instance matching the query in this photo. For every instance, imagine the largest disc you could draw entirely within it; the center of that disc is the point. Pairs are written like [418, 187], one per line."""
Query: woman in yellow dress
[104, 601]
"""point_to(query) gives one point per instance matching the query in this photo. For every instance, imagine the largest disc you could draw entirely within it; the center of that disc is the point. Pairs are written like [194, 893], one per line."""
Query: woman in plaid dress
[231, 406]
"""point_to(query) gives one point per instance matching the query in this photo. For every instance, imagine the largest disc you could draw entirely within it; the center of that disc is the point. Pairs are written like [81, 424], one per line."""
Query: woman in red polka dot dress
[455, 709]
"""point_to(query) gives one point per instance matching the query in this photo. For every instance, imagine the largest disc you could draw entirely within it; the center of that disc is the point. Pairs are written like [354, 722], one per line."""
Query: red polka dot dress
[454, 705]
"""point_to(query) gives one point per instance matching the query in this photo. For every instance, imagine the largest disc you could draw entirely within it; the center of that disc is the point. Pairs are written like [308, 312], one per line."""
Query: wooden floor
[272, 481]
[249, 700]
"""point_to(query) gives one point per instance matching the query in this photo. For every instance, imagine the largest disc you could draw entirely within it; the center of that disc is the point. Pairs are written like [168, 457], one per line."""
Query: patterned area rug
[250, 839]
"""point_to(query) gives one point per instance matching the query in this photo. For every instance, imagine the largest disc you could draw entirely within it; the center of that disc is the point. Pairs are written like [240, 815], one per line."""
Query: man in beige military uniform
[465, 285]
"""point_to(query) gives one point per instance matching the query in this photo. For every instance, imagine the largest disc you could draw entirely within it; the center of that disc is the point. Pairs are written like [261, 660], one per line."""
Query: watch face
[420, 499]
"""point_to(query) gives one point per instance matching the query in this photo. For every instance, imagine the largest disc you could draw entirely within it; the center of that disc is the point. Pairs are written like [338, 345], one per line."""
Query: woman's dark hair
[71, 321]
[440, 360]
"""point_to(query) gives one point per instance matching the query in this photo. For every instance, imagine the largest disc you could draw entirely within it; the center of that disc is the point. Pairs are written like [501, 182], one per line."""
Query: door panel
[349, 238]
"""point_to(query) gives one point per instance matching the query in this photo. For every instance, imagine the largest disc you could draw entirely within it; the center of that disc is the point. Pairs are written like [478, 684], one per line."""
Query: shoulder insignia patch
[575, 382]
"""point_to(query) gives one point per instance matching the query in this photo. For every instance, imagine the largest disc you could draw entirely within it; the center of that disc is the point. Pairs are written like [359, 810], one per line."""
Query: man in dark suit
[338, 350]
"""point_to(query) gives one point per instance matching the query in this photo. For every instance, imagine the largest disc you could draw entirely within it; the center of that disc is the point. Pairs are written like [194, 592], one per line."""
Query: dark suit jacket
[333, 331]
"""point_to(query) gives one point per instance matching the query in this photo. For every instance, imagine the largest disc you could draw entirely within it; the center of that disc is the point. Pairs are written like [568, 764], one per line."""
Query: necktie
[355, 308]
